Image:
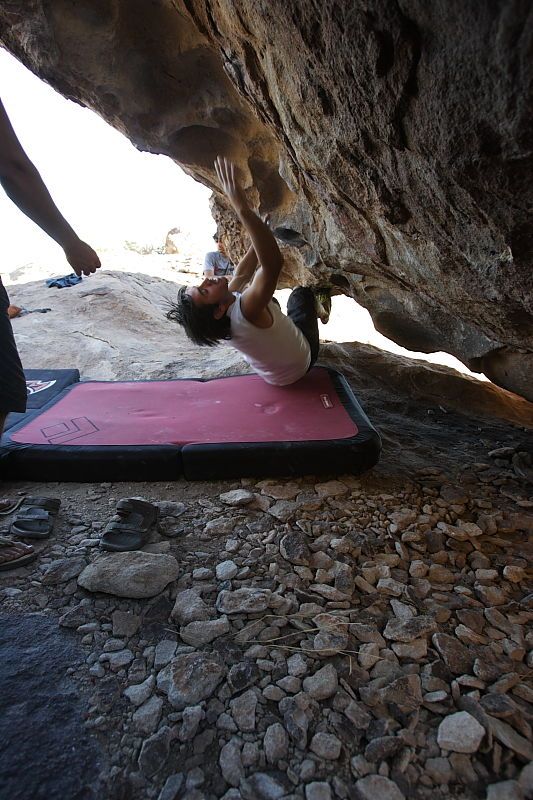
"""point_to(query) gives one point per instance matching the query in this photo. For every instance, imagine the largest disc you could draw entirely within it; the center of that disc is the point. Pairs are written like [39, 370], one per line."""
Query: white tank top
[280, 354]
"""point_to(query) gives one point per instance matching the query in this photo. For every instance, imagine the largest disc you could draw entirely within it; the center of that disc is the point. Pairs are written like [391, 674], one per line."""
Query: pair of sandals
[132, 527]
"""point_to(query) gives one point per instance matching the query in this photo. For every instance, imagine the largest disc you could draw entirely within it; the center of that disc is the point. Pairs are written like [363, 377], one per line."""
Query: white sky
[107, 190]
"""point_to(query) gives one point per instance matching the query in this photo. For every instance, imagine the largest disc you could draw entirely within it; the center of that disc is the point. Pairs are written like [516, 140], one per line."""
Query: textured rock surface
[388, 142]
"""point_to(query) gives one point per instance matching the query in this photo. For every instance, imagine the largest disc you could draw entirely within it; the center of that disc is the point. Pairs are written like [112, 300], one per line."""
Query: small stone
[293, 547]
[230, 763]
[405, 692]
[439, 770]
[460, 732]
[297, 665]
[368, 655]
[164, 652]
[120, 659]
[139, 693]
[243, 601]
[124, 623]
[389, 586]
[237, 497]
[505, 790]
[514, 575]
[455, 655]
[275, 743]
[405, 630]
[318, 790]
[172, 787]
[189, 607]
[147, 716]
[510, 738]
[382, 747]
[190, 678]
[242, 675]
[243, 710]
[199, 633]
[226, 570]
[358, 715]
[63, 570]
[191, 718]
[415, 650]
[331, 489]
[328, 643]
[377, 787]
[263, 786]
[325, 745]
[323, 683]
[154, 751]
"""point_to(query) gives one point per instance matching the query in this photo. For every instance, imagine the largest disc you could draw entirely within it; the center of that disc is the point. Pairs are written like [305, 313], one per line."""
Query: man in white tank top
[279, 348]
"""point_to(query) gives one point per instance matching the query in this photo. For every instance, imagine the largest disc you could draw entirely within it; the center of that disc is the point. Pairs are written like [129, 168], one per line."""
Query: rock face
[389, 143]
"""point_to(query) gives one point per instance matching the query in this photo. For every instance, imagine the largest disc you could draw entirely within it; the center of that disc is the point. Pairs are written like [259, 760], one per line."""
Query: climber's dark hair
[198, 321]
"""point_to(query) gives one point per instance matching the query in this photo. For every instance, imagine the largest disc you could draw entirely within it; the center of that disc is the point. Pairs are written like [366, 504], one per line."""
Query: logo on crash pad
[33, 387]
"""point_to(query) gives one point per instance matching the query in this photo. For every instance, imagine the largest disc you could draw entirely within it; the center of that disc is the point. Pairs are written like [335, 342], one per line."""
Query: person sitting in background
[217, 263]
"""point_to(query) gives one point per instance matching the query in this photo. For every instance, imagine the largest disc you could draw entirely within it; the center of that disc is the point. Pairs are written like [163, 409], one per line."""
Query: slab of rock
[134, 574]
[63, 570]
[265, 786]
[405, 630]
[510, 738]
[237, 497]
[226, 570]
[323, 683]
[505, 790]
[147, 716]
[294, 548]
[125, 623]
[140, 692]
[231, 763]
[243, 601]
[405, 692]
[325, 745]
[190, 678]
[374, 787]
[189, 607]
[154, 751]
[275, 743]
[460, 732]
[458, 658]
[243, 710]
[199, 633]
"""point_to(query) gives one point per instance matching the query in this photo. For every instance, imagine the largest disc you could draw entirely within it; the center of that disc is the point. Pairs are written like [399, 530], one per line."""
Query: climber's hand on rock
[227, 175]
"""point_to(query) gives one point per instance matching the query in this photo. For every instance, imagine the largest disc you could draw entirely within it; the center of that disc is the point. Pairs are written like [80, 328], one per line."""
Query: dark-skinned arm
[25, 187]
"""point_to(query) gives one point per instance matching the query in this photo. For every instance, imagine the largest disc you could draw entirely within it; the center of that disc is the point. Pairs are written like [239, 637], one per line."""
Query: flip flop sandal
[50, 504]
[16, 562]
[132, 530]
[35, 519]
[33, 523]
[12, 505]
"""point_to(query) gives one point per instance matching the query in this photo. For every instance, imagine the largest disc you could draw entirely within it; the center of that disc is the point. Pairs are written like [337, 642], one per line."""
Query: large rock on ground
[133, 574]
